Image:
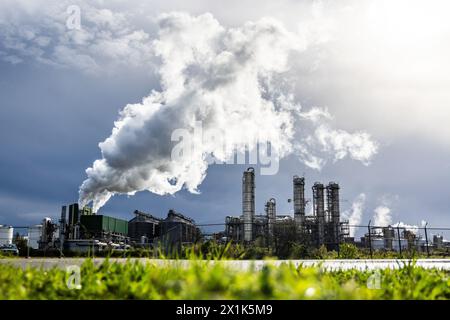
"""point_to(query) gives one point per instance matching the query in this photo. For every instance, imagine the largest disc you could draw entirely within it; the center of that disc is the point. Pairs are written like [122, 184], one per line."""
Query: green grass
[203, 280]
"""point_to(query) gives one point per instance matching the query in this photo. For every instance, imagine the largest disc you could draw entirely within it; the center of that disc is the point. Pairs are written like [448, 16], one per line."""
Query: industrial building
[175, 229]
[78, 230]
[144, 228]
[82, 230]
[392, 238]
[322, 228]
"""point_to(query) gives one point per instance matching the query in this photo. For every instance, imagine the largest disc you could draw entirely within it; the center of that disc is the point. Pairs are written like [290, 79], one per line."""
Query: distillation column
[319, 211]
[62, 227]
[299, 201]
[333, 210]
[271, 211]
[248, 202]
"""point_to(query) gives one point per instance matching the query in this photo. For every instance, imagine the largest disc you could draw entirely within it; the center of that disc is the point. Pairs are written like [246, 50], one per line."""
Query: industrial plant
[80, 230]
[324, 227]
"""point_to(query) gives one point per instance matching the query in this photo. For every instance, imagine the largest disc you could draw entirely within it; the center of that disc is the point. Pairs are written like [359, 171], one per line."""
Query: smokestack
[319, 210]
[248, 202]
[299, 200]
[271, 211]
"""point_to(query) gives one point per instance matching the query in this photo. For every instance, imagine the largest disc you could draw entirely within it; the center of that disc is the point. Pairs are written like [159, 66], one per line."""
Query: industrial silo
[6, 234]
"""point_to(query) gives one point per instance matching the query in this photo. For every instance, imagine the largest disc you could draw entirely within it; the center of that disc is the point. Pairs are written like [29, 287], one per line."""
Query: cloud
[317, 139]
[227, 79]
[38, 31]
[380, 69]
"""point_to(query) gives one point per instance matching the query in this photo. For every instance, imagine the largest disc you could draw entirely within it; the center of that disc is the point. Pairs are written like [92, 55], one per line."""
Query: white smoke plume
[412, 228]
[227, 79]
[383, 216]
[354, 215]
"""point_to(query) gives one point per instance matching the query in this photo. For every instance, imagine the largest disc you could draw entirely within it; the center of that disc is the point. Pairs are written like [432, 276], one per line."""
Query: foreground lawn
[200, 280]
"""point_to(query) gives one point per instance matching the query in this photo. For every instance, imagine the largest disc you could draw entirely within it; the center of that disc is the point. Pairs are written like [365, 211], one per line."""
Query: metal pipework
[248, 202]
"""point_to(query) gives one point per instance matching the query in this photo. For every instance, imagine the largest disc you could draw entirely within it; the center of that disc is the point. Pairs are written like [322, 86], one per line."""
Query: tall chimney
[248, 202]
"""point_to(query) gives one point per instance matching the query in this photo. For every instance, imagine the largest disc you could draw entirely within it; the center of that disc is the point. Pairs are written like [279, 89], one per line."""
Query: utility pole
[28, 247]
[426, 240]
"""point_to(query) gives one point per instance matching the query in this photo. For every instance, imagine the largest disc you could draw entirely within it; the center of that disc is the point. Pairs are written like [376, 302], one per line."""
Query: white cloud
[378, 65]
[107, 39]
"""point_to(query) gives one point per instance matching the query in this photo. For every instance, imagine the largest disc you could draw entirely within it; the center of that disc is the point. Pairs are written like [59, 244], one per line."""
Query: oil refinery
[80, 230]
[322, 228]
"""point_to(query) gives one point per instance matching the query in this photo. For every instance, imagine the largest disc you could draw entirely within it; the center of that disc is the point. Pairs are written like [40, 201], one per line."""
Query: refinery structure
[324, 227]
[81, 230]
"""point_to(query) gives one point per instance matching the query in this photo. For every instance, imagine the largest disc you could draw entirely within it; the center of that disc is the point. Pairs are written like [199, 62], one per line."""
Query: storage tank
[34, 236]
[6, 234]
[378, 244]
[403, 243]
[388, 235]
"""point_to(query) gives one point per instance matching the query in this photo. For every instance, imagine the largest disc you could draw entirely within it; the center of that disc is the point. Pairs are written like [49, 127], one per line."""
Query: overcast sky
[377, 67]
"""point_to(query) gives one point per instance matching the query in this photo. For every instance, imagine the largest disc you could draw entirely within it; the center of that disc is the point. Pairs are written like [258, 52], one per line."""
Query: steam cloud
[383, 216]
[230, 80]
[354, 215]
[414, 229]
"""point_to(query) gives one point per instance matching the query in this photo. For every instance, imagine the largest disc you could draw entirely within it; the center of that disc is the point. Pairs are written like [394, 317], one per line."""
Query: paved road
[48, 263]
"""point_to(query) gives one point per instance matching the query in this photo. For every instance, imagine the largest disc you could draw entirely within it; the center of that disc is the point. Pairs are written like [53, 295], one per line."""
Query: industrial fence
[398, 238]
